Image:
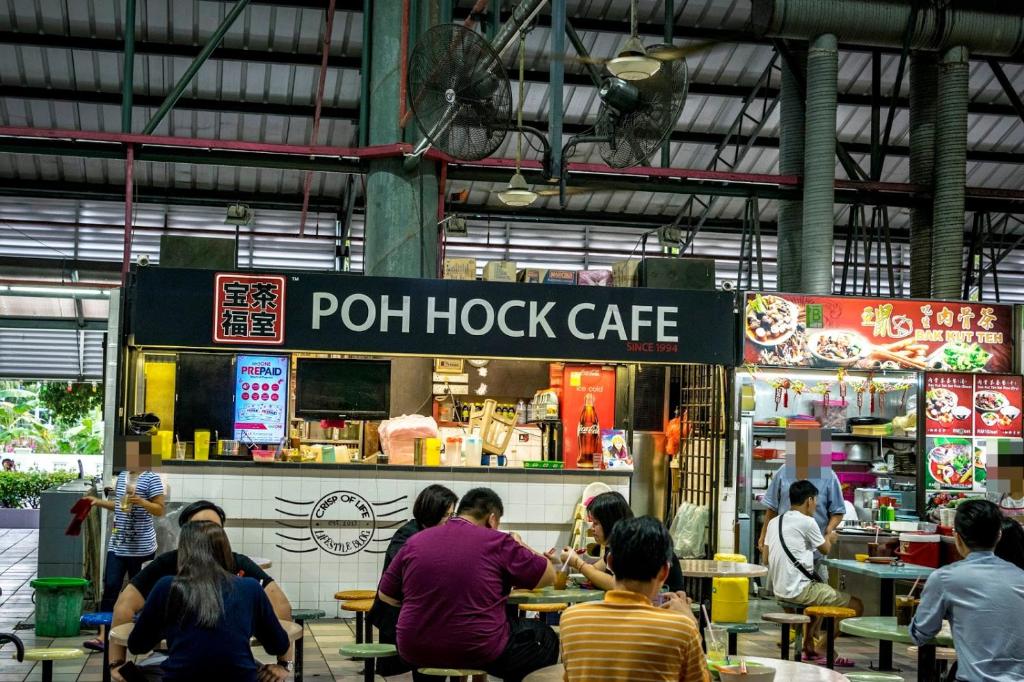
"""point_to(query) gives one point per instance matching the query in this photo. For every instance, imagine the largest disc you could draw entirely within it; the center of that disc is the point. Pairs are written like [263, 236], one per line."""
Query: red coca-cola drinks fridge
[588, 405]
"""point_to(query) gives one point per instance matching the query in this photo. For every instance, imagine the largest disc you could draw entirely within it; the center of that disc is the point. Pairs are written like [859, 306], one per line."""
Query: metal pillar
[364, 75]
[557, 72]
[670, 18]
[197, 63]
[129, 169]
[401, 206]
[128, 77]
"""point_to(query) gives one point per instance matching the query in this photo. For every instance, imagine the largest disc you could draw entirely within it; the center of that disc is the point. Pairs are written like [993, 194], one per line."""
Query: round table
[796, 672]
[549, 595]
[884, 628]
[706, 570]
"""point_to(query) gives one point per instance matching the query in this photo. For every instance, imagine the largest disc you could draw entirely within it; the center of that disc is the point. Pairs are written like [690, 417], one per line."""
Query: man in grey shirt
[982, 596]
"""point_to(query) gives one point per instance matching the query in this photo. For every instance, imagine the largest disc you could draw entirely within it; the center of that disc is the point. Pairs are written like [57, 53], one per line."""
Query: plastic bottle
[521, 413]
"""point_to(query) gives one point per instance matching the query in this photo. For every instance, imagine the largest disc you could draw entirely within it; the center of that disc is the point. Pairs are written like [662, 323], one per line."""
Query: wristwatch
[287, 665]
[115, 664]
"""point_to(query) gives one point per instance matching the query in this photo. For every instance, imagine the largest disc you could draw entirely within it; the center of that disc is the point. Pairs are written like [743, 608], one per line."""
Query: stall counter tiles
[269, 516]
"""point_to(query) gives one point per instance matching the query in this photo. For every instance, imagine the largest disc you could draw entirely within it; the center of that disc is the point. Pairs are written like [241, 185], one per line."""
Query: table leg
[298, 650]
[926, 662]
[359, 627]
[47, 671]
[886, 607]
[785, 641]
[106, 653]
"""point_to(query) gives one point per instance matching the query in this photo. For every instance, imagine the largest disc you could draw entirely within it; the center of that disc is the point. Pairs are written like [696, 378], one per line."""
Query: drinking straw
[914, 587]
[568, 555]
[743, 666]
[707, 619]
[878, 529]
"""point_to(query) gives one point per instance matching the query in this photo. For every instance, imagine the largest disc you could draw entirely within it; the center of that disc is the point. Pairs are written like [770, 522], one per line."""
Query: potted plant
[20, 492]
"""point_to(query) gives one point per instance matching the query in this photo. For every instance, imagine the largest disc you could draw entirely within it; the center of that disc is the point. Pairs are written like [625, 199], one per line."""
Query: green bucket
[58, 606]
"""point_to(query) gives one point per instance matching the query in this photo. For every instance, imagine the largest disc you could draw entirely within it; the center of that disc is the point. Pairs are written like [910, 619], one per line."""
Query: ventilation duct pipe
[950, 174]
[923, 74]
[881, 23]
[791, 162]
[819, 166]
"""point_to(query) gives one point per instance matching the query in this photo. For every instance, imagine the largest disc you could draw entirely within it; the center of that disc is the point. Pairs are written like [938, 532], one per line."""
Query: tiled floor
[323, 638]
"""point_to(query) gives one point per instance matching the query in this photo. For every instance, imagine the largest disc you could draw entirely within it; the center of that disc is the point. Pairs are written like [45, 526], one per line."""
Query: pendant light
[632, 63]
[518, 193]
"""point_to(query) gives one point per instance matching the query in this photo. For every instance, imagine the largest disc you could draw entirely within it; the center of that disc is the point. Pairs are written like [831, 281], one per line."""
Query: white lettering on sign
[433, 314]
[319, 311]
[612, 322]
[346, 312]
[664, 324]
[401, 313]
[638, 321]
[537, 319]
[503, 321]
[488, 317]
[585, 336]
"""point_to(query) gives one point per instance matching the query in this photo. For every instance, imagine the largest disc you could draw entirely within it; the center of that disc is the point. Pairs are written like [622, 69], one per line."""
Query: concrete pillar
[401, 206]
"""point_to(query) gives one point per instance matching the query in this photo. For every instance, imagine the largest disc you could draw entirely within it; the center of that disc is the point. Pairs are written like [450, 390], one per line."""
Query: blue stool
[97, 620]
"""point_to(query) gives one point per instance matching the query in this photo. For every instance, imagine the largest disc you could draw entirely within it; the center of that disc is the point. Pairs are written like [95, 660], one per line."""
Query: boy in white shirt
[792, 572]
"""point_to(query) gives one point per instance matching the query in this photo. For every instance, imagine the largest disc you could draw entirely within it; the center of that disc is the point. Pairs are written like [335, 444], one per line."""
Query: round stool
[300, 616]
[96, 620]
[735, 630]
[790, 606]
[552, 673]
[786, 620]
[829, 614]
[359, 607]
[456, 674]
[48, 656]
[349, 595]
[873, 677]
[368, 653]
[542, 608]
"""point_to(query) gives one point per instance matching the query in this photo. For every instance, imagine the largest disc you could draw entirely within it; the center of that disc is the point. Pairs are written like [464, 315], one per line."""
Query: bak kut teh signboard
[793, 330]
[335, 312]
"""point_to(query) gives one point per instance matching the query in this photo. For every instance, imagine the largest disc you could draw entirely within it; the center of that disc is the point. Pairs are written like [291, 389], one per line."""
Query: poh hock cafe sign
[350, 313]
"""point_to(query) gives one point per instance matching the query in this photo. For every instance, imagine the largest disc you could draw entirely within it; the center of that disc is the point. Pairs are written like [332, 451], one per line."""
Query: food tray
[543, 464]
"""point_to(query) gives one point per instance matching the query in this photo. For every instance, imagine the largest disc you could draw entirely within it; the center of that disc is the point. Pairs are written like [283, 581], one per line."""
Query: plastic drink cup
[128, 490]
[717, 641]
[179, 450]
[905, 608]
[561, 579]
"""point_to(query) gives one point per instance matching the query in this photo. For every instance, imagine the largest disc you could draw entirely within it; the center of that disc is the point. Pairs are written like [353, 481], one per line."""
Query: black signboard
[394, 316]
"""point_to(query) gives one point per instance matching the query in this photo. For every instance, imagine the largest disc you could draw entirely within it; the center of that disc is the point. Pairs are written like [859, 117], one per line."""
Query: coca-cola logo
[587, 430]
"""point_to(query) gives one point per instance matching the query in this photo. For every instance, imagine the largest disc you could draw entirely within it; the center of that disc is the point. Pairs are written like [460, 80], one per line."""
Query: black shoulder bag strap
[800, 567]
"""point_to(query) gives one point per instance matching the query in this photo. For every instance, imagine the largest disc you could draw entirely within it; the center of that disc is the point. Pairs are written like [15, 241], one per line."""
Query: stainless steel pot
[859, 452]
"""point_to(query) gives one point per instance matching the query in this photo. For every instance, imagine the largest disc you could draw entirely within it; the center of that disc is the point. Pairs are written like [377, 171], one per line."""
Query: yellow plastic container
[432, 452]
[730, 600]
[730, 597]
[202, 445]
[163, 444]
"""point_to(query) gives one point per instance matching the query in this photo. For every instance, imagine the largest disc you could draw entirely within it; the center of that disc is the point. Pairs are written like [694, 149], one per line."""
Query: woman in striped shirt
[138, 497]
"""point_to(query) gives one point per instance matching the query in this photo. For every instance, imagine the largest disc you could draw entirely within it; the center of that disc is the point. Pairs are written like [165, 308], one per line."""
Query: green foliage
[21, 489]
[69, 406]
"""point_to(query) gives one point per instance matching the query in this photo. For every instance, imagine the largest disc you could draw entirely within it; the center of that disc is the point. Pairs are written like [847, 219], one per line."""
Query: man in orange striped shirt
[626, 638]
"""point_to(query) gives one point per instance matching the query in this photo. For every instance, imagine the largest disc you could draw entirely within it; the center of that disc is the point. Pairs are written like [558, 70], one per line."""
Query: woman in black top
[207, 614]
[434, 505]
[1011, 543]
[604, 512]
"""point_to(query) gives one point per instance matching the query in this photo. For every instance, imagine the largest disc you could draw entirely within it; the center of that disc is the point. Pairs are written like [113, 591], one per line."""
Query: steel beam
[129, 184]
[128, 77]
[52, 323]
[179, 88]
[557, 75]
[1011, 92]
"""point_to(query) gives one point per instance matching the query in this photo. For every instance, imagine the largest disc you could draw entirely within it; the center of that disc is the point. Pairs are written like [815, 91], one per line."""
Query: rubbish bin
[58, 606]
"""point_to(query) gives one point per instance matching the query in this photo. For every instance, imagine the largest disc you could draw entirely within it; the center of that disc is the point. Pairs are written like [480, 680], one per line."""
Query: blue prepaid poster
[261, 398]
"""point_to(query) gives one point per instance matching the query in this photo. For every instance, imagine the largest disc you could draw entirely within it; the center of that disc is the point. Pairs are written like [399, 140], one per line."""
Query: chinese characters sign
[792, 330]
[249, 309]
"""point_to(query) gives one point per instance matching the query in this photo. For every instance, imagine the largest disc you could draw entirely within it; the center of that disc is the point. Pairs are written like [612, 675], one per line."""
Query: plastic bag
[689, 531]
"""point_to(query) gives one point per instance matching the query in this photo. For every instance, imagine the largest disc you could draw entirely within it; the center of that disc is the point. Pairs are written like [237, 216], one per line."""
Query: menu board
[964, 415]
[997, 406]
[795, 330]
[261, 398]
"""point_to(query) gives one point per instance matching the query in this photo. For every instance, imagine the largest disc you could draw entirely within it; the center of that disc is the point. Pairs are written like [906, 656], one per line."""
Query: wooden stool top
[368, 650]
[348, 595]
[830, 611]
[543, 608]
[553, 673]
[942, 653]
[357, 605]
[786, 618]
[450, 672]
[53, 654]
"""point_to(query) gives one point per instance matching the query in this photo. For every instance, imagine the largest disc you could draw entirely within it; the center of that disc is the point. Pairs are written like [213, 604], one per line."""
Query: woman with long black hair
[207, 614]
[603, 513]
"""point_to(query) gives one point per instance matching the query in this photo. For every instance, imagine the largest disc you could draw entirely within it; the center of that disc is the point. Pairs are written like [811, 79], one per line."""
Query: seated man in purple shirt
[451, 583]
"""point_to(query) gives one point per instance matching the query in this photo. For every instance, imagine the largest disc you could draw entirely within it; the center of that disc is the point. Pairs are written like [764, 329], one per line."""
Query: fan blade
[667, 53]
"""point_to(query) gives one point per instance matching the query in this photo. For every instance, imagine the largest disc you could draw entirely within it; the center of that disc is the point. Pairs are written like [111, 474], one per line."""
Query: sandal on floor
[93, 645]
[840, 662]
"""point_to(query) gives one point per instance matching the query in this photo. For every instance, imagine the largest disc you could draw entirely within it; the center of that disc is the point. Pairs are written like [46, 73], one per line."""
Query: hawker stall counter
[326, 527]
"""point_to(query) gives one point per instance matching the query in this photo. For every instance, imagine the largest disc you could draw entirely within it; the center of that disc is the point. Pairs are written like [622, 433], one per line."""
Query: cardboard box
[460, 268]
[500, 271]
[625, 273]
[542, 276]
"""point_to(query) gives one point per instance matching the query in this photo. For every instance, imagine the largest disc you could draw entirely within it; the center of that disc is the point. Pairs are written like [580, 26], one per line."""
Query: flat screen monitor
[342, 389]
